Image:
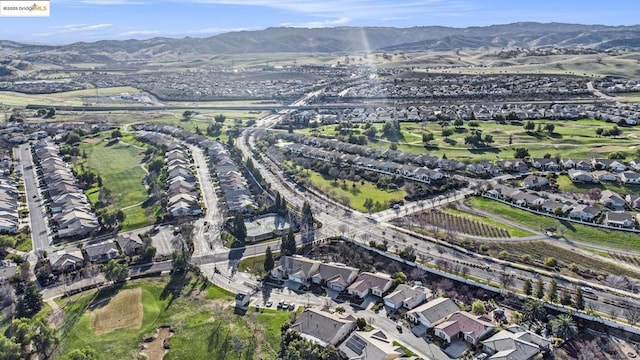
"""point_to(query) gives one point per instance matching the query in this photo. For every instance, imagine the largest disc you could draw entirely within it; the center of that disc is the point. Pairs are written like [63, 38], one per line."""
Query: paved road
[207, 237]
[39, 229]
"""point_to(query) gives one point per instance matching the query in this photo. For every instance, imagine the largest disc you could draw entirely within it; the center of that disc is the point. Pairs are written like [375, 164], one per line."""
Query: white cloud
[317, 24]
[75, 28]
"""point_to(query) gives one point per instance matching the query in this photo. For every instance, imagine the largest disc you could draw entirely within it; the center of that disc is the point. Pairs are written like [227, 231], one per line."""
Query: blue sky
[92, 20]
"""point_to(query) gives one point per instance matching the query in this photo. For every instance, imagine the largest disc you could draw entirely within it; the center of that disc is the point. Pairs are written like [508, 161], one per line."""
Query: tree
[116, 134]
[45, 339]
[114, 271]
[220, 118]
[579, 299]
[288, 243]
[361, 323]
[399, 278]
[9, 349]
[506, 279]
[529, 125]
[521, 153]
[548, 127]
[552, 290]
[268, 260]
[538, 292]
[595, 193]
[149, 253]
[526, 287]
[565, 299]
[458, 123]
[368, 204]
[631, 313]
[307, 222]
[239, 228]
[446, 132]
[478, 308]
[534, 311]
[31, 301]
[51, 113]
[564, 327]
[427, 138]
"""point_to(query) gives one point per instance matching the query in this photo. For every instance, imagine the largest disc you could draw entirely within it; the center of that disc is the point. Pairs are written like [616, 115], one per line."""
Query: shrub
[551, 261]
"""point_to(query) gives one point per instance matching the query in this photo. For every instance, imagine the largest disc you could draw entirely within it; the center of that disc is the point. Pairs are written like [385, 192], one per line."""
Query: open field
[201, 314]
[566, 185]
[123, 311]
[69, 98]
[576, 139]
[596, 236]
[356, 195]
[119, 165]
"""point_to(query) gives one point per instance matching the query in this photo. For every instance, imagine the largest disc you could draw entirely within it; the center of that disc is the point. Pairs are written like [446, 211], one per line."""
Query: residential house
[335, 276]
[535, 182]
[433, 312]
[66, 259]
[130, 245]
[608, 164]
[323, 327]
[633, 200]
[584, 212]
[408, 297]
[367, 283]
[371, 345]
[580, 176]
[515, 342]
[626, 219]
[546, 164]
[102, 251]
[612, 200]
[635, 164]
[629, 177]
[463, 325]
[550, 206]
[513, 166]
[603, 176]
[526, 199]
[583, 164]
[295, 268]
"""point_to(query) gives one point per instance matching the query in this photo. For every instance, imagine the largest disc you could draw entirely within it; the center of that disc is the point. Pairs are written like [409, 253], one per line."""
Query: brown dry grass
[123, 311]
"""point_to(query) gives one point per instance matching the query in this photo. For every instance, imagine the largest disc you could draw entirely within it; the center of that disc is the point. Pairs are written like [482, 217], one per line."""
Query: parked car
[269, 304]
[292, 306]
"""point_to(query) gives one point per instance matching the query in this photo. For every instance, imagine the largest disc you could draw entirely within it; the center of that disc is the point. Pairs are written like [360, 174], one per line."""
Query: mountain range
[338, 40]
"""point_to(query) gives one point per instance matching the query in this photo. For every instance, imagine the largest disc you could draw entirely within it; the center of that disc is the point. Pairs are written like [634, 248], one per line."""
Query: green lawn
[578, 232]
[575, 139]
[119, 166]
[566, 185]
[358, 194]
[513, 231]
[203, 319]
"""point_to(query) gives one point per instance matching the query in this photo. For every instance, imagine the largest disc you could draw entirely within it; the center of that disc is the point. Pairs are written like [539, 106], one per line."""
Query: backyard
[201, 315]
